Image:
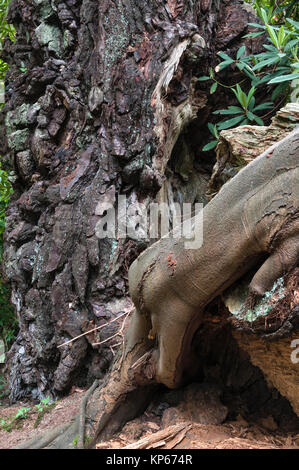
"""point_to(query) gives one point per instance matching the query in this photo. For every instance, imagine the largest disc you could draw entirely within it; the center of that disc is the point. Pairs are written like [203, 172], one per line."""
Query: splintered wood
[167, 438]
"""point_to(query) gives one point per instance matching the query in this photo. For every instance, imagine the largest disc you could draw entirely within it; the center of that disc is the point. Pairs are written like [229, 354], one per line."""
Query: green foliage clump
[8, 321]
[5, 186]
[276, 69]
[5, 192]
[276, 11]
[42, 408]
[16, 421]
[6, 30]
[4, 391]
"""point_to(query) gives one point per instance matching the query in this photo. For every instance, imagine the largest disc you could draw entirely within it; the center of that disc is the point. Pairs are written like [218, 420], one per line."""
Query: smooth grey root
[254, 215]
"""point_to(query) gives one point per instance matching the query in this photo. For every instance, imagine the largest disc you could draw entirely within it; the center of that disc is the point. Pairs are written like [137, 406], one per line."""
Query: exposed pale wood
[177, 439]
[171, 434]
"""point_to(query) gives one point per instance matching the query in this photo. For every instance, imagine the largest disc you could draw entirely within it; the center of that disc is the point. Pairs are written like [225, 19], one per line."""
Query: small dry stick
[141, 359]
[94, 329]
[114, 346]
[119, 333]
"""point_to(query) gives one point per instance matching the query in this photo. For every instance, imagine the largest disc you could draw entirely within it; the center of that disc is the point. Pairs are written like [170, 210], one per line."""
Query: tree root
[80, 443]
[106, 407]
[42, 441]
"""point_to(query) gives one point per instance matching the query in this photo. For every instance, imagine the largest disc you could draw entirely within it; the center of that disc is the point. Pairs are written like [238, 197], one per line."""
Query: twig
[273, 109]
[141, 359]
[119, 333]
[107, 339]
[94, 329]
[114, 346]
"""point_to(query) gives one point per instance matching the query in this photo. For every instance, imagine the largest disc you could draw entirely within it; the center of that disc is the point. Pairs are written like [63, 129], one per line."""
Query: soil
[236, 434]
[64, 410]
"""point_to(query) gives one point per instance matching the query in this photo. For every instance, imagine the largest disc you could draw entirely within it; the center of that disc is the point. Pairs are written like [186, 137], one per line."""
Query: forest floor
[171, 429]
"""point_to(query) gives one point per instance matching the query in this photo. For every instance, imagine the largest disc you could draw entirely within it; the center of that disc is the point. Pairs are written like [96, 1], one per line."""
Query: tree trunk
[107, 103]
[170, 294]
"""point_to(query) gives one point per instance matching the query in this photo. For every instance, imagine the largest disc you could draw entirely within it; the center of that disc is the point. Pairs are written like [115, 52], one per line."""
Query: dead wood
[167, 438]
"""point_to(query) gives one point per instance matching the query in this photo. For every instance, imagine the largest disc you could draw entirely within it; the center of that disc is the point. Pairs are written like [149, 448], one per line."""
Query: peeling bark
[238, 147]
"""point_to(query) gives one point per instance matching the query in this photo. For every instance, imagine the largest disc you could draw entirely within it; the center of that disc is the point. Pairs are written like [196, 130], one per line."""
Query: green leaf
[253, 35]
[258, 120]
[240, 66]
[224, 64]
[247, 67]
[269, 76]
[251, 104]
[250, 95]
[224, 56]
[230, 122]
[265, 63]
[281, 35]
[250, 116]
[256, 25]
[228, 111]
[293, 23]
[241, 97]
[279, 89]
[284, 78]
[267, 105]
[291, 44]
[212, 73]
[254, 79]
[265, 55]
[241, 52]
[213, 88]
[264, 15]
[203, 78]
[211, 128]
[273, 36]
[270, 48]
[210, 145]
[236, 108]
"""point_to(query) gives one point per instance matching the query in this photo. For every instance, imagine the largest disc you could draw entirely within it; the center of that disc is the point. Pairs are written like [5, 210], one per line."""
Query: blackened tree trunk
[102, 99]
